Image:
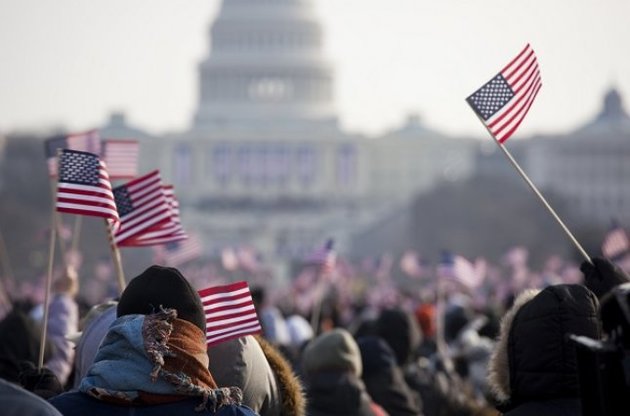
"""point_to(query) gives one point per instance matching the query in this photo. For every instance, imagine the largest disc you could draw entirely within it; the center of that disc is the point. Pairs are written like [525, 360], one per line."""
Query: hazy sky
[71, 62]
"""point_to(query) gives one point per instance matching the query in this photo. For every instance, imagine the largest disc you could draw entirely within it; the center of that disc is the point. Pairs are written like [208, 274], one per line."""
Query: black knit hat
[163, 287]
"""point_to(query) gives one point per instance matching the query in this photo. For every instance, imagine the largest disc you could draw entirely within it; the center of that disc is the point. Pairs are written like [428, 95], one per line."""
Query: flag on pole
[169, 232]
[230, 312]
[323, 257]
[121, 158]
[616, 243]
[458, 269]
[83, 187]
[142, 206]
[503, 102]
[89, 141]
[410, 264]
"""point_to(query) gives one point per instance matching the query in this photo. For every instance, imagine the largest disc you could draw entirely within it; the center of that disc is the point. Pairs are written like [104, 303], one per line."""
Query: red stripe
[523, 73]
[532, 74]
[210, 329]
[228, 308]
[223, 289]
[86, 212]
[519, 65]
[515, 59]
[519, 109]
[512, 107]
[217, 340]
[224, 299]
[513, 129]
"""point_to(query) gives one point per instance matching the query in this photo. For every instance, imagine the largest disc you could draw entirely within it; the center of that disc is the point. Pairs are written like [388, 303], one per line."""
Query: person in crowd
[384, 380]
[332, 367]
[17, 401]
[268, 383]
[95, 326]
[153, 360]
[533, 368]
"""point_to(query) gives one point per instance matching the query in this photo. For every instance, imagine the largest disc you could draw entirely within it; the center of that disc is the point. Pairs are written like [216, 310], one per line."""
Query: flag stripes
[142, 206]
[230, 312]
[121, 157]
[83, 187]
[504, 101]
[615, 243]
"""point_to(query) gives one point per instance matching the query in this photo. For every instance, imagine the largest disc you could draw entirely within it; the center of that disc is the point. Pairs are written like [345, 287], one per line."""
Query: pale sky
[71, 62]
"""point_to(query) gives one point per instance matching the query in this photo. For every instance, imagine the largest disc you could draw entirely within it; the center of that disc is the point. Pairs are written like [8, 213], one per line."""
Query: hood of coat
[268, 383]
[533, 358]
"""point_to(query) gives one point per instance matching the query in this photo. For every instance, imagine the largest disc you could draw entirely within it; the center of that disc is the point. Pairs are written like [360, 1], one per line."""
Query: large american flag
[503, 102]
[142, 206]
[121, 157]
[616, 243]
[89, 141]
[83, 187]
[168, 232]
[230, 312]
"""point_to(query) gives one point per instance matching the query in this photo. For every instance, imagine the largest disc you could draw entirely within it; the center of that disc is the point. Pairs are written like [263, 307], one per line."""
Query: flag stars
[82, 168]
[490, 98]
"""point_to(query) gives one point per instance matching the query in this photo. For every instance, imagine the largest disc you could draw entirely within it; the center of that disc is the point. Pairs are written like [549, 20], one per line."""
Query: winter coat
[18, 402]
[533, 369]
[384, 380]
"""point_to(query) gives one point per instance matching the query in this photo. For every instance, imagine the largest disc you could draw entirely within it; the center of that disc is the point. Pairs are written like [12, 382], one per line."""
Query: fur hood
[533, 358]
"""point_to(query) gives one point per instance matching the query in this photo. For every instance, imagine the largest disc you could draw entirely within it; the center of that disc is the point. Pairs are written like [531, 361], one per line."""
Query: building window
[182, 164]
[346, 166]
[220, 163]
[306, 164]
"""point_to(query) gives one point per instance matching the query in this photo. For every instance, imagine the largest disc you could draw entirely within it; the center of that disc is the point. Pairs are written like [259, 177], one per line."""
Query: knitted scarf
[152, 359]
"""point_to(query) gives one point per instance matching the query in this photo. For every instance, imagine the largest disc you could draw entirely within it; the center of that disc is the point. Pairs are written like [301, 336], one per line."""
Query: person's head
[401, 331]
[332, 351]
[162, 287]
[534, 358]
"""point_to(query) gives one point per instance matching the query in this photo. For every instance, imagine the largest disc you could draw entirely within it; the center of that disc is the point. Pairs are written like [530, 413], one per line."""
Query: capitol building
[265, 163]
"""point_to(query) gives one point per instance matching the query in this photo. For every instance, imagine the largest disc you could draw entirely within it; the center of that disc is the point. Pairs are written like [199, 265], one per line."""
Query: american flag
[503, 102]
[83, 187]
[458, 269]
[615, 243]
[230, 312]
[323, 257]
[410, 264]
[177, 253]
[121, 157]
[89, 141]
[168, 232]
[142, 206]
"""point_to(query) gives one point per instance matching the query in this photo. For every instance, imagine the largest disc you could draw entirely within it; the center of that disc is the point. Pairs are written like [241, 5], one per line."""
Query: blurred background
[282, 123]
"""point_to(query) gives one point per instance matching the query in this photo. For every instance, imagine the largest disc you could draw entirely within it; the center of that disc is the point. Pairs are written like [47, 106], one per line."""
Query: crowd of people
[330, 345]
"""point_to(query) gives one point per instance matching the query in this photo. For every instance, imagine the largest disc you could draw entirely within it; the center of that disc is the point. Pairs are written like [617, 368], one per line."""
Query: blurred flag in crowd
[503, 102]
[229, 260]
[121, 158]
[83, 187]
[410, 264]
[142, 206]
[89, 141]
[457, 268]
[616, 243]
[324, 258]
[384, 266]
[180, 252]
[247, 259]
[230, 312]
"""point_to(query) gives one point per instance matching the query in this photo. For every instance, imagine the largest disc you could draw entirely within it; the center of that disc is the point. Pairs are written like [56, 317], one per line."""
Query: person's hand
[68, 283]
[602, 275]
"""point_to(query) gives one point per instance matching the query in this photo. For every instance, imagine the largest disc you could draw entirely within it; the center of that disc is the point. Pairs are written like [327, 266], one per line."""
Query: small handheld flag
[616, 243]
[121, 157]
[503, 102]
[230, 312]
[323, 257]
[89, 141]
[83, 187]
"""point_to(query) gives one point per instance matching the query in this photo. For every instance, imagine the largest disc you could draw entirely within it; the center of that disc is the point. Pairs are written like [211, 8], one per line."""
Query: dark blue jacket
[80, 404]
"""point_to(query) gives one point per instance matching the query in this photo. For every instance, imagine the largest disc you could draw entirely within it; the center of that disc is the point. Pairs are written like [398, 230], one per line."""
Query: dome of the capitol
[265, 65]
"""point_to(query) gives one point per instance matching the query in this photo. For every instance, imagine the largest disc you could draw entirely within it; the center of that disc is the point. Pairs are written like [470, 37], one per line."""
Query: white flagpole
[537, 192]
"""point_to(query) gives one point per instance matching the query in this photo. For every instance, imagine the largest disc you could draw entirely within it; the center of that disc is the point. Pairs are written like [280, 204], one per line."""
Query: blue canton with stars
[79, 167]
[123, 201]
[490, 98]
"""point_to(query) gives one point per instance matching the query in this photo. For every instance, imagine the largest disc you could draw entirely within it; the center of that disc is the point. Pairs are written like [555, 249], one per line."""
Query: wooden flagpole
[51, 256]
[76, 234]
[116, 257]
[537, 192]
